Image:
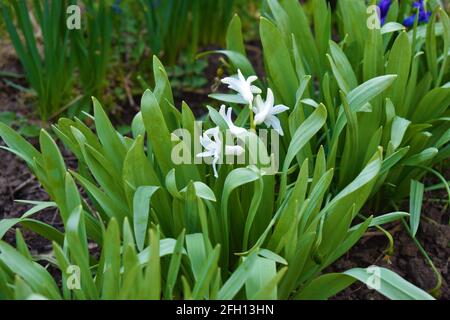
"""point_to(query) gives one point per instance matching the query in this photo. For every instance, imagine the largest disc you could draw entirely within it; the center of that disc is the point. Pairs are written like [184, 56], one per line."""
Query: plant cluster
[51, 53]
[407, 111]
[358, 118]
[225, 236]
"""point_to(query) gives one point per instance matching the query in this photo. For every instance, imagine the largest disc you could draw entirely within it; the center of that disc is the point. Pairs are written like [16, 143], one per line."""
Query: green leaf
[415, 205]
[153, 270]
[301, 137]
[111, 265]
[342, 68]
[361, 95]
[234, 38]
[6, 224]
[157, 131]
[265, 292]
[206, 273]
[430, 45]
[174, 267]
[432, 105]
[39, 280]
[279, 64]
[399, 63]
[324, 287]
[19, 144]
[420, 158]
[387, 218]
[388, 283]
[195, 245]
[239, 277]
[299, 26]
[238, 60]
[263, 271]
[296, 265]
[202, 191]
[393, 159]
[353, 235]
[114, 148]
[391, 27]
[230, 98]
[166, 247]
[141, 208]
[236, 178]
[446, 36]
[398, 130]
[78, 246]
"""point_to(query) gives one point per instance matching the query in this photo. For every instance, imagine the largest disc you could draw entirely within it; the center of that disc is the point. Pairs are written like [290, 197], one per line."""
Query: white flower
[266, 111]
[235, 130]
[243, 86]
[214, 147]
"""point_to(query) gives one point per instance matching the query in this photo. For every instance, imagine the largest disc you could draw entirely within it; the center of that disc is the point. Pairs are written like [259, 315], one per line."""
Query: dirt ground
[407, 260]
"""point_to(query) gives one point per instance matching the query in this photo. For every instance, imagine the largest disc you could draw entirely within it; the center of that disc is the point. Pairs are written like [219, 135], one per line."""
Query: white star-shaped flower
[235, 130]
[213, 145]
[266, 112]
[243, 86]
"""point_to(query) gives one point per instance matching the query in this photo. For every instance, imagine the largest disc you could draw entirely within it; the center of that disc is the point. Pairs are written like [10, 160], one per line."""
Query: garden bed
[123, 197]
[17, 182]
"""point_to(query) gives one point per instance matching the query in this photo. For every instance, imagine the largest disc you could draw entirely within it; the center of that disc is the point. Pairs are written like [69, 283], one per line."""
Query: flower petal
[269, 99]
[214, 165]
[279, 109]
[205, 154]
[234, 150]
[274, 122]
[255, 90]
[259, 104]
[252, 79]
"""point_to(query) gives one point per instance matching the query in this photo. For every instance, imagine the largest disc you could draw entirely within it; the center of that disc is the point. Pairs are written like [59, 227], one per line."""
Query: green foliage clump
[248, 234]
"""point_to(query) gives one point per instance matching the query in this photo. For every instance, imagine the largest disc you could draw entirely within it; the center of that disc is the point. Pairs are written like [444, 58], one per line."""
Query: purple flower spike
[424, 15]
[384, 6]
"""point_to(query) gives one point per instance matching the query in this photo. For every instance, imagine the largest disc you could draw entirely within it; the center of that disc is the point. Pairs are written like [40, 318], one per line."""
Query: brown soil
[16, 180]
[407, 260]
[196, 99]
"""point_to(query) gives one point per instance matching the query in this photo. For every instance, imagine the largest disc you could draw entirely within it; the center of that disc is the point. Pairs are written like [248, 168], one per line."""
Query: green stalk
[252, 120]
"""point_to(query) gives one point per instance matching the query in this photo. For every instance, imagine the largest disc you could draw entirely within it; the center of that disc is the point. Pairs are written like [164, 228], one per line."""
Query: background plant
[65, 67]
[178, 25]
[51, 54]
[91, 47]
[44, 53]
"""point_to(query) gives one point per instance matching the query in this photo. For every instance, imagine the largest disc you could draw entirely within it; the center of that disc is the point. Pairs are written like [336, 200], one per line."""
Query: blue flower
[424, 15]
[384, 6]
[116, 7]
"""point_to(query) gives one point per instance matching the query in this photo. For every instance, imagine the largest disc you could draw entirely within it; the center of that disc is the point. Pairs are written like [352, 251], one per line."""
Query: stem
[390, 249]
[252, 121]
[444, 182]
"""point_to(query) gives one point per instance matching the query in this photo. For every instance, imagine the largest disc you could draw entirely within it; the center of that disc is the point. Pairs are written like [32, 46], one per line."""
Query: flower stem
[252, 122]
